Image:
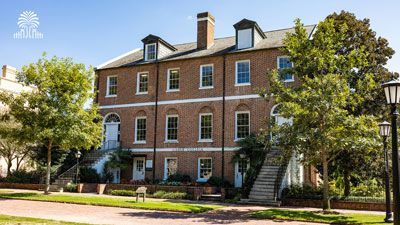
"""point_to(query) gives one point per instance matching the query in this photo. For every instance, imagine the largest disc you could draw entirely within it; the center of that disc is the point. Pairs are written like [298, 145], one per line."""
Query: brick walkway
[232, 214]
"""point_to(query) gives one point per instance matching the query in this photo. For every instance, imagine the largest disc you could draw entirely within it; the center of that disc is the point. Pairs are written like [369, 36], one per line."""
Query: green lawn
[89, 200]
[5, 191]
[14, 220]
[330, 218]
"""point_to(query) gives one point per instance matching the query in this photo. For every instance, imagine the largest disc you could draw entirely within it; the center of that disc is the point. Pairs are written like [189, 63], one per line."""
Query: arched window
[112, 118]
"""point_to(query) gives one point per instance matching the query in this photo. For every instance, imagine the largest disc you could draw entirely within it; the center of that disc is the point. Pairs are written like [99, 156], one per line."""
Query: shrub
[158, 194]
[88, 175]
[122, 192]
[179, 178]
[71, 188]
[218, 182]
[171, 195]
[171, 183]
[303, 192]
[22, 176]
[235, 199]
[138, 182]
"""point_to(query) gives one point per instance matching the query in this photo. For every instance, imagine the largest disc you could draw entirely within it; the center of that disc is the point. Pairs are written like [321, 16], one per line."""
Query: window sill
[210, 87]
[205, 141]
[244, 84]
[173, 90]
[238, 139]
[167, 142]
[142, 93]
[202, 180]
[139, 142]
[111, 96]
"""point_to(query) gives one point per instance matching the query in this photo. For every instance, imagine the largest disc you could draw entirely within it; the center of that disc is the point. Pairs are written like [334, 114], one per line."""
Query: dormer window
[156, 48]
[150, 52]
[248, 34]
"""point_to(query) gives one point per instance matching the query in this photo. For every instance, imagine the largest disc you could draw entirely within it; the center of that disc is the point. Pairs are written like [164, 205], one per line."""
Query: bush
[179, 178]
[89, 175]
[235, 199]
[152, 180]
[24, 177]
[303, 192]
[122, 192]
[159, 194]
[138, 182]
[218, 182]
[171, 195]
[171, 183]
[71, 188]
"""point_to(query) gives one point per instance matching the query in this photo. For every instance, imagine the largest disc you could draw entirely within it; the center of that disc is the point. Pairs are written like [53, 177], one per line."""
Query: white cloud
[189, 17]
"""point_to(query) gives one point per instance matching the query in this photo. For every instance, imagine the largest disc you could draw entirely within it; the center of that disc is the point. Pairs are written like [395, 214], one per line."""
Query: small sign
[149, 164]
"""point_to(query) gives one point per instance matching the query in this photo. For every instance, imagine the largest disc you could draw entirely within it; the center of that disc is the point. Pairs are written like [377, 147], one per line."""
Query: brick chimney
[205, 30]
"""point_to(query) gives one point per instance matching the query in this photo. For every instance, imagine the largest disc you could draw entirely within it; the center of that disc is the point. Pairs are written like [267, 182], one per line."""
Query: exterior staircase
[90, 160]
[267, 185]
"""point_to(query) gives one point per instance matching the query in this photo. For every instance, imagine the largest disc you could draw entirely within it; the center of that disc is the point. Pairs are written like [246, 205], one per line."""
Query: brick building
[182, 108]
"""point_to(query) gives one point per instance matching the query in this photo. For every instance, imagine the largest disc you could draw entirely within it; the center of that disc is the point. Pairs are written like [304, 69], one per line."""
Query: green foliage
[303, 192]
[106, 176]
[178, 177]
[88, 175]
[171, 183]
[22, 176]
[53, 114]
[119, 158]
[215, 181]
[71, 188]
[235, 199]
[320, 107]
[152, 180]
[368, 189]
[122, 192]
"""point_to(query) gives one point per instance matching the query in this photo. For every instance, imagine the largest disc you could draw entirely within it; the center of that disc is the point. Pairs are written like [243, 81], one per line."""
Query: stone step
[211, 197]
[262, 197]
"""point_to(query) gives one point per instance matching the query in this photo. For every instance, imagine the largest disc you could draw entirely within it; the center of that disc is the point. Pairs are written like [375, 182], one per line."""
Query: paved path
[232, 214]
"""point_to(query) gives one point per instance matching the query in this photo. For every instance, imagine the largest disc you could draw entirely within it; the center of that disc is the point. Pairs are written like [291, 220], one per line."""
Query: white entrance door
[238, 173]
[111, 136]
[138, 168]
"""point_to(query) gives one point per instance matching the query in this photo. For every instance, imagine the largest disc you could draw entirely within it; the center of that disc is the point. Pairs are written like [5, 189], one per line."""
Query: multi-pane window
[143, 83]
[172, 128]
[140, 129]
[112, 85]
[243, 72]
[284, 63]
[242, 124]
[150, 52]
[206, 73]
[206, 126]
[171, 166]
[205, 168]
[173, 80]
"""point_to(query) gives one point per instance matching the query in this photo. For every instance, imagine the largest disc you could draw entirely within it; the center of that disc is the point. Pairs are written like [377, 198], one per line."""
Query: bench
[141, 190]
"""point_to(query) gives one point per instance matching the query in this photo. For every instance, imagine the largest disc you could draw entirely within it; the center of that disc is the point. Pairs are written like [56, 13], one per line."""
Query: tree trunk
[346, 177]
[9, 165]
[327, 205]
[46, 191]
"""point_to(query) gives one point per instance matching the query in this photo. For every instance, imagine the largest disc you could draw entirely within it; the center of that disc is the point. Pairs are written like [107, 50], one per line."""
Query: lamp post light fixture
[384, 131]
[242, 155]
[77, 156]
[392, 93]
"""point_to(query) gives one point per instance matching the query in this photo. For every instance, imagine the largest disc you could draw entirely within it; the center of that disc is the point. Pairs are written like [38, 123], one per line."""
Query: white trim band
[206, 18]
[193, 100]
[196, 149]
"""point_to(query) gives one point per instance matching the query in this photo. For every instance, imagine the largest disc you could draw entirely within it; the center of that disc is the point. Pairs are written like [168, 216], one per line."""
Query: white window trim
[136, 129]
[165, 165]
[146, 51]
[277, 66]
[236, 113]
[198, 169]
[201, 80]
[236, 73]
[166, 129]
[173, 90]
[108, 86]
[138, 84]
[212, 127]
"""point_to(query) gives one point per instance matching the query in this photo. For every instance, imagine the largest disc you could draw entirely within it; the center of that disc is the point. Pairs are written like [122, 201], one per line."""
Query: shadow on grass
[309, 216]
[192, 208]
[18, 195]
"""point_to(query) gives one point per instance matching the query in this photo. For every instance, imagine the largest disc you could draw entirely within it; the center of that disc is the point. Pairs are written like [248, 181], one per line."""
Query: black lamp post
[392, 93]
[384, 131]
[242, 155]
[77, 156]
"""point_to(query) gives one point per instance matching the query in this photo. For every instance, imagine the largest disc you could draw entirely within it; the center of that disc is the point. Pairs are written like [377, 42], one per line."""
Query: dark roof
[189, 50]
[245, 24]
[153, 39]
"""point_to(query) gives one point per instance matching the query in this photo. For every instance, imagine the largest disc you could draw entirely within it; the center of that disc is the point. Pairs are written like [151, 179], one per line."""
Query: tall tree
[321, 125]
[352, 163]
[53, 115]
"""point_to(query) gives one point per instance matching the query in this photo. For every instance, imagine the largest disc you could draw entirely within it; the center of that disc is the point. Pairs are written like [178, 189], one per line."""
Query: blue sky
[93, 32]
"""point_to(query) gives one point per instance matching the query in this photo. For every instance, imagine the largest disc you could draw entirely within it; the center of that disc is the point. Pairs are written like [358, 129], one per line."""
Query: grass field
[330, 218]
[14, 220]
[120, 202]
[5, 191]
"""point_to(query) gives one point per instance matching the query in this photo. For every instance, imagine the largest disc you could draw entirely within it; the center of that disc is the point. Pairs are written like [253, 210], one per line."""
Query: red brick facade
[184, 104]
